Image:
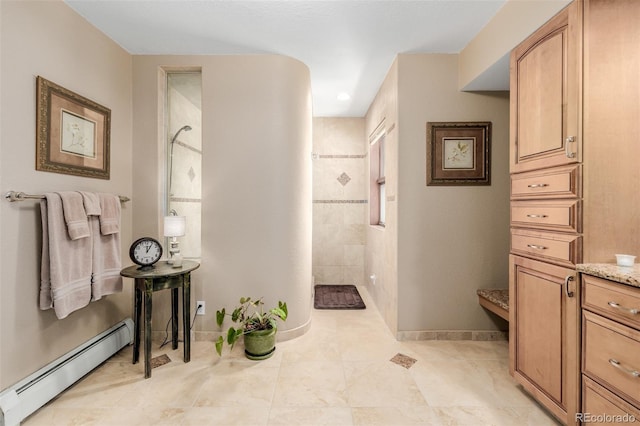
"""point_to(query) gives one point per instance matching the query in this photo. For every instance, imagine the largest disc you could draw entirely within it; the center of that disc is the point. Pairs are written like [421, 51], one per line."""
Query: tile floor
[339, 373]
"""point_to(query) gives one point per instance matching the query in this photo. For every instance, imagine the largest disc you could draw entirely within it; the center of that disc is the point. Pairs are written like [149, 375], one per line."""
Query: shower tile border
[185, 200]
[330, 156]
[340, 201]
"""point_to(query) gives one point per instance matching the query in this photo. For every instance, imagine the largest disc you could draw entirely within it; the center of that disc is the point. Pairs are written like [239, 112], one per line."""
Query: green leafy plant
[250, 316]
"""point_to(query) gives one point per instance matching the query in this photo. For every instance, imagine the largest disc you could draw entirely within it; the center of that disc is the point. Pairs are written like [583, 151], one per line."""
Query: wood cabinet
[543, 333]
[546, 214]
[545, 93]
[575, 123]
[610, 350]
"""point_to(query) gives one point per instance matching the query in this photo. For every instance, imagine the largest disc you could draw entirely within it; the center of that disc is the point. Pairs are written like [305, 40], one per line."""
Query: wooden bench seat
[495, 300]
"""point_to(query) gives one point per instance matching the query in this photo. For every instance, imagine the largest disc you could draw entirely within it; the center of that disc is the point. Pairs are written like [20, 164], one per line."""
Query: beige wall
[487, 55]
[381, 254]
[452, 240]
[48, 39]
[339, 200]
[256, 182]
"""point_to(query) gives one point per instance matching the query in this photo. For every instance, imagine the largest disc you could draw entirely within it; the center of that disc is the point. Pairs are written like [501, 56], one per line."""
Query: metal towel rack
[21, 196]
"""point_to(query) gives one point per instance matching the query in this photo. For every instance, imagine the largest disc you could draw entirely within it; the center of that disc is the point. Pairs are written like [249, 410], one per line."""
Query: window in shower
[184, 154]
[377, 182]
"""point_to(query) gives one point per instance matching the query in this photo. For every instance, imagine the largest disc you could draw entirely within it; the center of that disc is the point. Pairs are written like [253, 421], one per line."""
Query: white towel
[105, 233]
[65, 283]
[91, 203]
[110, 213]
[75, 215]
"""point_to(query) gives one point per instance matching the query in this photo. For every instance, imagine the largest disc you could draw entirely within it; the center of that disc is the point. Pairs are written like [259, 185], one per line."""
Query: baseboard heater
[25, 397]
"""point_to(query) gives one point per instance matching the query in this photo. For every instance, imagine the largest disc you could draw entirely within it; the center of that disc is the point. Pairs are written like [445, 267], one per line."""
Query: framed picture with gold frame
[459, 153]
[72, 132]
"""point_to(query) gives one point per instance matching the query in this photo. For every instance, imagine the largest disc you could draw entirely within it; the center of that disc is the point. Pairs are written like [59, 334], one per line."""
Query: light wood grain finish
[616, 301]
[562, 249]
[544, 81]
[543, 334]
[557, 182]
[612, 356]
[611, 129]
[559, 215]
[598, 401]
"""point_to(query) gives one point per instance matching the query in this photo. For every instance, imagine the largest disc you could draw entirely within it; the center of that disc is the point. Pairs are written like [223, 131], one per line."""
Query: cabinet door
[545, 95]
[543, 334]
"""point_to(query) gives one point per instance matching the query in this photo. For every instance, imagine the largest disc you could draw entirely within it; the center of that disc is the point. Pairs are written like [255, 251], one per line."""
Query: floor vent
[25, 397]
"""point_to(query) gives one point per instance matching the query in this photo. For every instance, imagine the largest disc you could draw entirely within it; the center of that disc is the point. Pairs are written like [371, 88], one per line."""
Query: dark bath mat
[337, 297]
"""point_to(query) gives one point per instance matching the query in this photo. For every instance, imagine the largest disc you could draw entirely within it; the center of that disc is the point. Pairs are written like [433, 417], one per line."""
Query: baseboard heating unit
[25, 397]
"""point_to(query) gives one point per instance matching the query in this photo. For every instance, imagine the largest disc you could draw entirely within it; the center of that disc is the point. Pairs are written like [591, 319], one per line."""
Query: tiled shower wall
[340, 208]
[185, 109]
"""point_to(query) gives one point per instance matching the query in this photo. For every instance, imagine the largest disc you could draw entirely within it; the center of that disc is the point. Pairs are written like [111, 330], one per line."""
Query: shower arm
[186, 129]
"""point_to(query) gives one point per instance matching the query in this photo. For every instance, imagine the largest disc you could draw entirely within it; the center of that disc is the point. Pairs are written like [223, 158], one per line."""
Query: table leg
[174, 318]
[137, 314]
[147, 333]
[186, 309]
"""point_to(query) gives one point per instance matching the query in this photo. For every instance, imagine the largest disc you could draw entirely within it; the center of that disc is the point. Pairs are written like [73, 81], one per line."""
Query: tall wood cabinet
[575, 183]
[546, 213]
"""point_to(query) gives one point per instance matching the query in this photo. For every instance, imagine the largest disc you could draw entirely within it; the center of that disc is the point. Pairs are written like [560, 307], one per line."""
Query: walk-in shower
[184, 155]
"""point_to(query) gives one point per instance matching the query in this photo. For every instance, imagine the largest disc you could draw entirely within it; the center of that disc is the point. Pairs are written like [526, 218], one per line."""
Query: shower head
[185, 128]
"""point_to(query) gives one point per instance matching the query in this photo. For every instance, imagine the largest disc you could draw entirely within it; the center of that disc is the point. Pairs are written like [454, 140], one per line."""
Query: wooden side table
[162, 276]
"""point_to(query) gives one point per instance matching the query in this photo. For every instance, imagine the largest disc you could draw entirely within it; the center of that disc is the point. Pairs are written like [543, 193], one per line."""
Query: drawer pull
[536, 247]
[538, 185]
[537, 216]
[619, 366]
[622, 308]
[567, 141]
[566, 285]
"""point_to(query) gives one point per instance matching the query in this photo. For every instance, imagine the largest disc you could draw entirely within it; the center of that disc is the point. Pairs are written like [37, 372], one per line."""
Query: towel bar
[21, 196]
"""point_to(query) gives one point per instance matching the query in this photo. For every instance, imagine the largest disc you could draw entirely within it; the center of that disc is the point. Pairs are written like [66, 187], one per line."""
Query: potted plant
[256, 326]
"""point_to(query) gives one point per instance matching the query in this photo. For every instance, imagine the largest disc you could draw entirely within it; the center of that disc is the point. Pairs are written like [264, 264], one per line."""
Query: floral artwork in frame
[459, 153]
[72, 132]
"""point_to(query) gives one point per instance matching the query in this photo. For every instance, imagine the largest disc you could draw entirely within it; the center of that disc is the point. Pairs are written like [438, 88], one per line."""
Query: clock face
[145, 251]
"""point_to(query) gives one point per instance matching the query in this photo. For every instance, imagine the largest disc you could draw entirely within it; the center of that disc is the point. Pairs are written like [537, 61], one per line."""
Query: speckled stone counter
[629, 275]
[498, 296]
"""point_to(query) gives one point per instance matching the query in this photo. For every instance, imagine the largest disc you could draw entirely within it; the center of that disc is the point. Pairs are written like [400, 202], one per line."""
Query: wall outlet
[200, 307]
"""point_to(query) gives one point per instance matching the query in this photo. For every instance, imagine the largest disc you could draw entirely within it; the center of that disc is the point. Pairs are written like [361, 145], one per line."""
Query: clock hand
[148, 247]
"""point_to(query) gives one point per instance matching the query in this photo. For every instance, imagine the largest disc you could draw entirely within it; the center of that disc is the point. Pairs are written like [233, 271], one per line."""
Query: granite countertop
[498, 296]
[629, 275]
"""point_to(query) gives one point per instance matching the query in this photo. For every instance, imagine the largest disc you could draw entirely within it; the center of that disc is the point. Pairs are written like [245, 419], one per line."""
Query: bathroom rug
[337, 296]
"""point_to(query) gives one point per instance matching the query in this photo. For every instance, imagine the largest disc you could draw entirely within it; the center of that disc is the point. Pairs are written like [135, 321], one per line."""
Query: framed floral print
[459, 153]
[72, 132]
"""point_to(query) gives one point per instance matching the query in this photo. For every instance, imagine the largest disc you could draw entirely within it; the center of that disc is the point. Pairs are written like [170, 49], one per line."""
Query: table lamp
[174, 226]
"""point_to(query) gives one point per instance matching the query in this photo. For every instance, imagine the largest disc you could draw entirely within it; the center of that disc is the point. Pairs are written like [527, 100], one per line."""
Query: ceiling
[348, 45]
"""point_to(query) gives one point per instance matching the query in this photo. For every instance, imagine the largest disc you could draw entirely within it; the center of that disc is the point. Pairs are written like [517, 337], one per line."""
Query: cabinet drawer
[559, 182]
[558, 215]
[563, 249]
[611, 354]
[618, 301]
[599, 406]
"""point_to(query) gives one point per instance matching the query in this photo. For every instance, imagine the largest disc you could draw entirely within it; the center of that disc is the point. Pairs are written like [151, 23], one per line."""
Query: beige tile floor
[339, 373]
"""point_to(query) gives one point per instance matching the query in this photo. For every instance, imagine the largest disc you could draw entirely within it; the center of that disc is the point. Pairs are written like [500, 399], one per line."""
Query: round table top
[160, 269]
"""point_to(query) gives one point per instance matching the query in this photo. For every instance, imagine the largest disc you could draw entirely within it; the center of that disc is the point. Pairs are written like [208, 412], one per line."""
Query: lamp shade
[174, 226]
